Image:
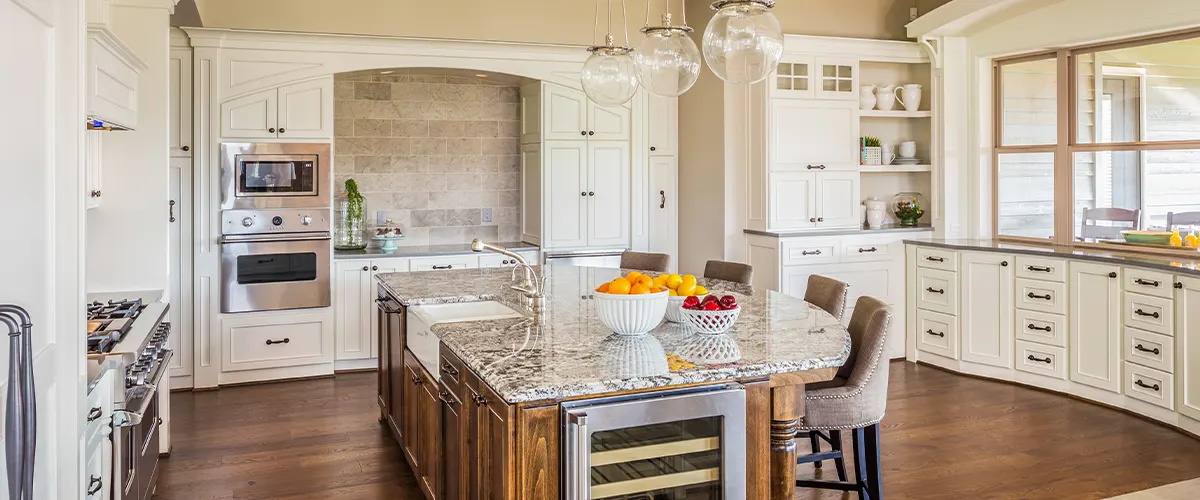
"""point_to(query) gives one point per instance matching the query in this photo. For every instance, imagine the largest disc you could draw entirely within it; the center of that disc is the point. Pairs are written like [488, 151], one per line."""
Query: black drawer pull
[1036, 296]
[1039, 360]
[448, 266]
[284, 341]
[479, 399]
[1141, 384]
[1152, 283]
[1039, 269]
[1154, 351]
[1031, 326]
[95, 483]
[94, 414]
[814, 252]
[816, 167]
[935, 290]
[935, 334]
[868, 250]
[447, 398]
[1140, 312]
[449, 370]
[935, 259]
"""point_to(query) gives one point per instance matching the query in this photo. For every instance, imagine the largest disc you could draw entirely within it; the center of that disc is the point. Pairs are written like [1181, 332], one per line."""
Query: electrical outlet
[912, 14]
[487, 215]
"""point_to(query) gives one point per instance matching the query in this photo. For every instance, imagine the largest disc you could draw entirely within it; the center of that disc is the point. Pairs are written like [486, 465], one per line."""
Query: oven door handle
[275, 238]
[129, 417]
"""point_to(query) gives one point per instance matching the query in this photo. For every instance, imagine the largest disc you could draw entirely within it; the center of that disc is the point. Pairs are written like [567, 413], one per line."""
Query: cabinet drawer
[937, 290]
[497, 260]
[866, 251]
[1151, 350]
[1038, 268]
[1042, 360]
[1040, 327]
[1154, 314]
[937, 333]
[1044, 296]
[936, 258]
[451, 369]
[806, 251]
[294, 342]
[1150, 385]
[443, 263]
[1148, 282]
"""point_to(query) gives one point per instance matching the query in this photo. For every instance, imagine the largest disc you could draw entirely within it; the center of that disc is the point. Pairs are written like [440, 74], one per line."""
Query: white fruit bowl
[631, 314]
[675, 309]
[712, 322]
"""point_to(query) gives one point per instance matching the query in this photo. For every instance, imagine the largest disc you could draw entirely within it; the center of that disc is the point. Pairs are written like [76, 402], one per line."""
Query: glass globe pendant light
[668, 61]
[743, 42]
[609, 76]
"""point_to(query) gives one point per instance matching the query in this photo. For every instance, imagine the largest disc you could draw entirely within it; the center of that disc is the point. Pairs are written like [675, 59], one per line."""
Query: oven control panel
[275, 220]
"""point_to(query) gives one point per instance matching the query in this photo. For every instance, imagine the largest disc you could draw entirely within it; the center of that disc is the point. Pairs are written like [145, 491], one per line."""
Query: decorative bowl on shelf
[1147, 237]
[909, 207]
[711, 322]
[631, 314]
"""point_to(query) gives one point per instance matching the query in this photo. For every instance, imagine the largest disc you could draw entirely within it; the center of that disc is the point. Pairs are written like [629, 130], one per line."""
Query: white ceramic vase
[886, 97]
[909, 96]
[876, 212]
[866, 97]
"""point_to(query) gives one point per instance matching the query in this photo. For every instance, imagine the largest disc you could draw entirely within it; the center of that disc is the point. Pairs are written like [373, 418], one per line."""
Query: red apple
[692, 302]
[711, 306]
[729, 302]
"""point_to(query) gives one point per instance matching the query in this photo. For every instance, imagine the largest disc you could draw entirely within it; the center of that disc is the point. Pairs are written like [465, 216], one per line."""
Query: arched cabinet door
[564, 114]
[250, 116]
[609, 123]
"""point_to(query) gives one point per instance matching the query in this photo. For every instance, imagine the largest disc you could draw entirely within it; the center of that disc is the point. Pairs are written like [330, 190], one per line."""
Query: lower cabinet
[354, 297]
[411, 390]
[986, 301]
[1187, 347]
[429, 435]
[1094, 325]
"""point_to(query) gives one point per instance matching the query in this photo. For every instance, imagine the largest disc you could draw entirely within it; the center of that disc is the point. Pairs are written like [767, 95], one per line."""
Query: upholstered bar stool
[729, 271]
[855, 400]
[828, 294]
[642, 261]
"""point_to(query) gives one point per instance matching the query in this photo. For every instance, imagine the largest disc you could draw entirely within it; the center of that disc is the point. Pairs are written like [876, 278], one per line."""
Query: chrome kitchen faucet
[530, 286]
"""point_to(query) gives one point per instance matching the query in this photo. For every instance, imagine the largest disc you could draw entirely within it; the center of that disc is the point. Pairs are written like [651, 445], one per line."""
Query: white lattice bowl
[712, 322]
[710, 349]
[675, 309]
[627, 357]
[631, 314]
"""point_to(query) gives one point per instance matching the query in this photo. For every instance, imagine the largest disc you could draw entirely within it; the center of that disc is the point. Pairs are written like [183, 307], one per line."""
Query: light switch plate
[487, 215]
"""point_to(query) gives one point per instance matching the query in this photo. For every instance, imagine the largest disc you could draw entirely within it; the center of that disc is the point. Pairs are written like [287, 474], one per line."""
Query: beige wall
[543, 21]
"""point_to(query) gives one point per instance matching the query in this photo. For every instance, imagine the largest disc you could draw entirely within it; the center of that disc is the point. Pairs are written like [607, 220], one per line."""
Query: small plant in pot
[908, 208]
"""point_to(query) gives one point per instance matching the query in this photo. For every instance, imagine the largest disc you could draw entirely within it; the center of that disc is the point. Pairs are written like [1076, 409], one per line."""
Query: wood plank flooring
[945, 437]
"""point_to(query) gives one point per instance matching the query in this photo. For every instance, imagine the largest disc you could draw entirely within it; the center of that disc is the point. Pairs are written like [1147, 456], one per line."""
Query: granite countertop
[1168, 263]
[570, 353]
[425, 250]
[886, 228]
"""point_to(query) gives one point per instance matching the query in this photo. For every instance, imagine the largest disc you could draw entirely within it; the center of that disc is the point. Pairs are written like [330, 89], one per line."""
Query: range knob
[277, 220]
[247, 221]
[306, 219]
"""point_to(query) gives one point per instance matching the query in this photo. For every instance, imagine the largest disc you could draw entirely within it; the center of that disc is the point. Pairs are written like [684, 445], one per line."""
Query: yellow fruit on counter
[701, 290]
[688, 280]
[603, 288]
[633, 276]
[660, 281]
[671, 292]
[673, 280]
[644, 280]
[686, 290]
[639, 289]
[619, 286]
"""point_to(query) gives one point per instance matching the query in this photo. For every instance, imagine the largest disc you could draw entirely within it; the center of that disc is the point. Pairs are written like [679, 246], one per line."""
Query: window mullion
[1064, 174]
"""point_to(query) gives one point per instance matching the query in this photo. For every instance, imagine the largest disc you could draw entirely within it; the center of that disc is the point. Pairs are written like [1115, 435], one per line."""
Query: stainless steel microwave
[275, 175]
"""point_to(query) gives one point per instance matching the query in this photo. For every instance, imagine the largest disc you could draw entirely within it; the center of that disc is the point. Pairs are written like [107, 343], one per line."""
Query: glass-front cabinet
[678, 445]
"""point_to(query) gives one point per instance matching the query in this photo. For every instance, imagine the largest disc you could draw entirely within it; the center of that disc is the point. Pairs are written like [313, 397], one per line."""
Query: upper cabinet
[663, 126]
[568, 114]
[814, 135]
[815, 77]
[112, 80]
[298, 111]
[180, 102]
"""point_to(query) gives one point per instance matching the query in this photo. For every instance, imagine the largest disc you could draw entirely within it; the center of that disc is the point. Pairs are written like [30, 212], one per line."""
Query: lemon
[671, 292]
[673, 281]
[660, 281]
[686, 290]
[701, 290]
[688, 280]
[633, 276]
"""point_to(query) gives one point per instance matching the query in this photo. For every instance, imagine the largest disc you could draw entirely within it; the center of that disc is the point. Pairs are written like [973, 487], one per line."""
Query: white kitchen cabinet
[531, 193]
[814, 135]
[986, 308]
[607, 123]
[564, 114]
[837, 202]
[1187, 348]
[93, 168]
[663, 124]
[836, 78]
[794, 78]
[792, 200]
[297, 338]
[443, 262]
[179, 128]
[937, 333]
[298, 111]
[354, 298]
[179, 293]
[664, 206]
[1094, 319]
[566, 182]
[608, 193]
[111, 76]
[531, 113]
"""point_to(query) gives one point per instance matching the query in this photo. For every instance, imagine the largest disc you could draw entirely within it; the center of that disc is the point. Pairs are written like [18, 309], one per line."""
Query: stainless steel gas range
[134, 335]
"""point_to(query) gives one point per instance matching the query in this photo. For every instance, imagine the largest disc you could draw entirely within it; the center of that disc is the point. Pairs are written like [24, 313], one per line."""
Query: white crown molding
[106, 37]
[179, 39]
[858, 48]
[169, 5]
[963, 17]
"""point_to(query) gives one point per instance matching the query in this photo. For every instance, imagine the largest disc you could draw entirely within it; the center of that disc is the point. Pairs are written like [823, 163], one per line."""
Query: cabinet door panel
[252, 116]
[430, 435]
[1187, 347]
[398, 374]
[565, 168]
[353, 294]
[607, 122]
[453, 444]
[814, 133]
[792, 200]
[837, 78]
[608, 193]
[664, 206]
[663, 125]
[837, 200]
[564, 114]
[179, 128]
[1095, 325]
[411, 418]
[306, 110]
[937, 333]
[986, 305]
[531, 193]
[378, 267]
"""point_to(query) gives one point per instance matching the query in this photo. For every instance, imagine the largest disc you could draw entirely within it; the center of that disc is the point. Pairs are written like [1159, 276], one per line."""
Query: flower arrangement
[907, 208]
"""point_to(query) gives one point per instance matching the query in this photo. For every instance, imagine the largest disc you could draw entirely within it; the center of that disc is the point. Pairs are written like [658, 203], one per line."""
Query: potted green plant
[872, 151]
[908, 208]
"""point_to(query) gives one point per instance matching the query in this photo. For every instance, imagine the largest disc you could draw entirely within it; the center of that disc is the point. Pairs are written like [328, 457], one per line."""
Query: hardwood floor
[945, 437]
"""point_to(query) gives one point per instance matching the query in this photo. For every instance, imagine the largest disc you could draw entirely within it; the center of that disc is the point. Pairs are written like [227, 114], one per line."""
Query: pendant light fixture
[743, 42]
[668, 61]
[609, 76]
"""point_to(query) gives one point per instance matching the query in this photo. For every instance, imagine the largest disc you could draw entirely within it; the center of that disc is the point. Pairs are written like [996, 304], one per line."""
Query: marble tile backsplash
[432, 153]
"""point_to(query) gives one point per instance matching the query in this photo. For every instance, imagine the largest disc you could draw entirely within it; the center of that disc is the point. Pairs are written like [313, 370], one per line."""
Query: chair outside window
[1182, 219]
[1107, 223]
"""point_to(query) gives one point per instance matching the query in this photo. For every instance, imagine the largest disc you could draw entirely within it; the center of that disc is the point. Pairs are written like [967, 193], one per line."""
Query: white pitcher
[886, 95]
[866, 97]
[910, 96]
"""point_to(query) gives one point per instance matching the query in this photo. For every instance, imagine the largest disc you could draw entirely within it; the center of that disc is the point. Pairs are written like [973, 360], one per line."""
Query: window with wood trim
[1095, 140]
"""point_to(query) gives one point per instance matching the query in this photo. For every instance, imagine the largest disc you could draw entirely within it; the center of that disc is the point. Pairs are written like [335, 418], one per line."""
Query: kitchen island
[487, 414]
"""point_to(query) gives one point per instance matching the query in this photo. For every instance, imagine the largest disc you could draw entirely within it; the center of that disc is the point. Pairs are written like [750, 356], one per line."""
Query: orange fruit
[619, 286]
[663, 288]
[603, 288]
[639, 289]
[660, 281]
[645, 280]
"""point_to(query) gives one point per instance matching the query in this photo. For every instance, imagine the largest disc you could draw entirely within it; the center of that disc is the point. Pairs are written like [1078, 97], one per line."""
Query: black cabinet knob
[365, 268]
[1004, 263]
[281, 130]
[374, 268]
[820, 219]
[185, 148]
[652, 148]
[583, 193]
[591, 132]
[271, 130]
[583, 132]
[1112, 275]
[591, 193]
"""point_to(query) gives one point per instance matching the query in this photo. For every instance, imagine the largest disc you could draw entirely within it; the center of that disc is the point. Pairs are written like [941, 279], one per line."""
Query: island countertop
[571, 354]
[1182, 264]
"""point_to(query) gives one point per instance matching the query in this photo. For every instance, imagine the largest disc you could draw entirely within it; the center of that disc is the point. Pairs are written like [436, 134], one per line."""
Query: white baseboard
[355, 364]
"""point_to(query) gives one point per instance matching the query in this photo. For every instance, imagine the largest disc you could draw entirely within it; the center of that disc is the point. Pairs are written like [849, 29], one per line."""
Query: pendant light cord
[625, 22]
[682, 3]
[596, 21]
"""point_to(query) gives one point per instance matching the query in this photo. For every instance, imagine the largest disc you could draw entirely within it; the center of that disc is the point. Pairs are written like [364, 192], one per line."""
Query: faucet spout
[530, 286]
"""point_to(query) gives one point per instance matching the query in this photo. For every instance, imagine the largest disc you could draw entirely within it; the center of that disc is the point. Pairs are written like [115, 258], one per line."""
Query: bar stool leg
[860, 453]
[839, 462]
[815, 443]
[874, 476]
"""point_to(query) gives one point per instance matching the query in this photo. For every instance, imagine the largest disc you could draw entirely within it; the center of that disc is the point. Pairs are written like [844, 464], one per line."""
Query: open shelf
[874, 113]
[894, 168]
